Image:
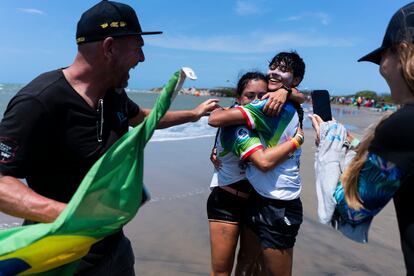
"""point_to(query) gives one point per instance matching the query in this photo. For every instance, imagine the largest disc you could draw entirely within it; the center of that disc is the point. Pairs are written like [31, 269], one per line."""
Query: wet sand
[170, 233]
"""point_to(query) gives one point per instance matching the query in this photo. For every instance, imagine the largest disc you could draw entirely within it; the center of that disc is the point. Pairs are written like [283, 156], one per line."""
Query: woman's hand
[316, 122]
[300, 136]
[275, 102]
[213, 158]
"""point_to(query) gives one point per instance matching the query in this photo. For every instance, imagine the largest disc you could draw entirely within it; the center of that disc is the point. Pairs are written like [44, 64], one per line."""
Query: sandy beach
[170, 233]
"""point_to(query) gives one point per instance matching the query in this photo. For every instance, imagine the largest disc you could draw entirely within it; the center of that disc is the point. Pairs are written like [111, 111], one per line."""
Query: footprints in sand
[179, 196]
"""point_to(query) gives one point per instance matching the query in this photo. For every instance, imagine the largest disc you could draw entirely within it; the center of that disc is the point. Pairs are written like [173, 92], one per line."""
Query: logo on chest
[242, 133]
[121, 117]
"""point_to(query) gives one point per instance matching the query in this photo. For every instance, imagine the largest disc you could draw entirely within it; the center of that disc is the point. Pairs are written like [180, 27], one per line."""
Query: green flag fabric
[108, 197]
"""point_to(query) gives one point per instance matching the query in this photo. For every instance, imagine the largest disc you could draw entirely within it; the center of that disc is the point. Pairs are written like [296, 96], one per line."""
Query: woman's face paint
[279, 76]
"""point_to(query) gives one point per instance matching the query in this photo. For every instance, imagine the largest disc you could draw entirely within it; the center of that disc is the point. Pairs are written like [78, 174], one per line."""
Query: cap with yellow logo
[108, 18]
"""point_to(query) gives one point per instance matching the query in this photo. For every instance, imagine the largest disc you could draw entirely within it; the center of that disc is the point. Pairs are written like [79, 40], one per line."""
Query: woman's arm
[226, 117]
[266, 159]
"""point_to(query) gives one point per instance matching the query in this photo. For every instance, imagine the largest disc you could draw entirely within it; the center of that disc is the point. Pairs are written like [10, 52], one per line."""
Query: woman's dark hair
[244, 80]
[291, 61]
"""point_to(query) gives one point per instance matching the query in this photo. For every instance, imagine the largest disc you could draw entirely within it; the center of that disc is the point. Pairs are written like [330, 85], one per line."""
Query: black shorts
[224, 206]
[119, 261]
[275, 222]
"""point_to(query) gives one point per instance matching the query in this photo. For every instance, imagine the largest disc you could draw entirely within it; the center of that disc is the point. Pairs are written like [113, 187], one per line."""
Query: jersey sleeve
[241, 141]
[20, 127]
[253, 113]
[274, 129]
[132, 108]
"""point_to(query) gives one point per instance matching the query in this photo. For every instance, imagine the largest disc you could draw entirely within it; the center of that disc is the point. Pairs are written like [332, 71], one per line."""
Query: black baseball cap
[108, 18]
[400, 28]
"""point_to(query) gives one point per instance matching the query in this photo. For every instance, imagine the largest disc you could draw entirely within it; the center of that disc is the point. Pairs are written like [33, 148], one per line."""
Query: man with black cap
[57, 126]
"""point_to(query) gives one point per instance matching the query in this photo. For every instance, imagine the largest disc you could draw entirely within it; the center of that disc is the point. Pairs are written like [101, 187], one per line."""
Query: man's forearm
[173, 118]
[18, 200]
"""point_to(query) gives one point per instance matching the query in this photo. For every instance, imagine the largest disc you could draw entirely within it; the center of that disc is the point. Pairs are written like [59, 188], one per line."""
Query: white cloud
[322, 17]
[249, 43]
[294, 18]
[32, 11]
[246, 8]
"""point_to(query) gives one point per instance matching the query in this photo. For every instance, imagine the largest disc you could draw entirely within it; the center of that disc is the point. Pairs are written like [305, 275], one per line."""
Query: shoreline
[170, 234]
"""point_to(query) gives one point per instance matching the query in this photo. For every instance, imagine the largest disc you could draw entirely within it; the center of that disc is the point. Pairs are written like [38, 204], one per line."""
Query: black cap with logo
[400, 28]
[108, 18]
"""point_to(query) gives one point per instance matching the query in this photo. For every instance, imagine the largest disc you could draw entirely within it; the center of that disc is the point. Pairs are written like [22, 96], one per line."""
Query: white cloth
[331, 159]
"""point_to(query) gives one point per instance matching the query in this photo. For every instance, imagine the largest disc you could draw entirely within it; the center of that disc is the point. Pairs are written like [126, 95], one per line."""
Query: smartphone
[321, 102]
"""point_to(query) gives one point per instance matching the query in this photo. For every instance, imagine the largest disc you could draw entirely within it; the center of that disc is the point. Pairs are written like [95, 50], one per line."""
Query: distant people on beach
[378, 104]
[384, 162]
[272, 167]
[57, 126]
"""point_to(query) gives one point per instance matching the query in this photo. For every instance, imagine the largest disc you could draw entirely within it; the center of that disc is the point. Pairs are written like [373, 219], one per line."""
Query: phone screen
[321, 103]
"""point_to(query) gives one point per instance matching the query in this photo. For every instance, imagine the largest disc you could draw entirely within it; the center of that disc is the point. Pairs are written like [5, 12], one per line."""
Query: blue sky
[219, 39]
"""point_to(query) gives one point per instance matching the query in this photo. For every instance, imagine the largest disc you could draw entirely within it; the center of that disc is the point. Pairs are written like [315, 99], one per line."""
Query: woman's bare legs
[250, 257]
[223, 243]
[278, 261]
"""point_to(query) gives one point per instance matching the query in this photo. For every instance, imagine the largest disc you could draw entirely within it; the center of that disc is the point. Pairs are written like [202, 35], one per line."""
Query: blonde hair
[406, 56]
[350, 177]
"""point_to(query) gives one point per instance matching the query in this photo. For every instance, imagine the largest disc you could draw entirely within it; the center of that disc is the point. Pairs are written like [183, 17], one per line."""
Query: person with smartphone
[276, 188]
[384, 163]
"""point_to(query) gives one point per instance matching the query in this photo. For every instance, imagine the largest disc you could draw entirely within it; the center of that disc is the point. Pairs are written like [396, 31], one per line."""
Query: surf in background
[194, 130]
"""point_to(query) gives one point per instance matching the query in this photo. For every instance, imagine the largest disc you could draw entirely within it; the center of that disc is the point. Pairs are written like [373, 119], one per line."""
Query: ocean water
[146, 99]
[194, 130]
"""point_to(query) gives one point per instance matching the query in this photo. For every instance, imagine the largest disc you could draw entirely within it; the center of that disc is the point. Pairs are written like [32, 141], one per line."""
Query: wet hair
[291, 62]
[244, 81]
[350, 176]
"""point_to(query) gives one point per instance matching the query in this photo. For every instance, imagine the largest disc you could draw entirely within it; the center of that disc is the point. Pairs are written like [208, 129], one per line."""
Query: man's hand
[213, 158]
[205, 108]
[275, 102]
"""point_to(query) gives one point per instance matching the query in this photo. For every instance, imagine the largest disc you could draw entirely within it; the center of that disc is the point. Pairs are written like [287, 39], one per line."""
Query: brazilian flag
[108, 197]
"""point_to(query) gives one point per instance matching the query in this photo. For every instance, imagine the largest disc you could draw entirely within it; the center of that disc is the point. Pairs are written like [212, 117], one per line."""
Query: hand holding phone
[321, 103]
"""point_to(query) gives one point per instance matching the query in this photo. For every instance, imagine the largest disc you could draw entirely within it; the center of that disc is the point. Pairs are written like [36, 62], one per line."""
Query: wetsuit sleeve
[19, 129]
[240, 140]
